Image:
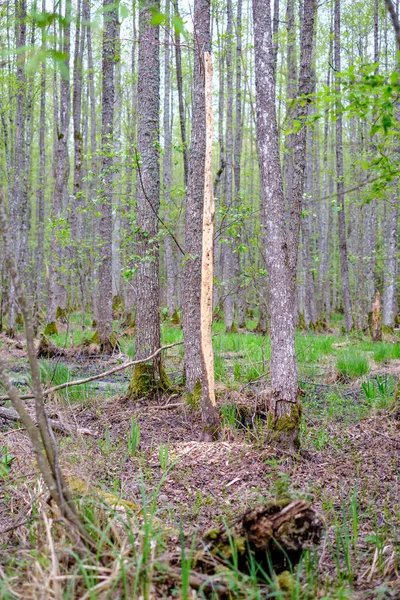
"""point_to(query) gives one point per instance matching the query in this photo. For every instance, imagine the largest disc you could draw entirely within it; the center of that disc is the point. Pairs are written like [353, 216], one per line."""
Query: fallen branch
[11, 415]
[126, 365]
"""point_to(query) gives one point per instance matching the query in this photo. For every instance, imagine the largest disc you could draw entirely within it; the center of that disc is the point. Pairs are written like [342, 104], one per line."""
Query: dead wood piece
[11, 415]
[46, 348]
[275, 535]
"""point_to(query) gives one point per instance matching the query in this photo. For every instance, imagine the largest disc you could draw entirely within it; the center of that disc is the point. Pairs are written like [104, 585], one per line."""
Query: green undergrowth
[352, 364]
[57, 373]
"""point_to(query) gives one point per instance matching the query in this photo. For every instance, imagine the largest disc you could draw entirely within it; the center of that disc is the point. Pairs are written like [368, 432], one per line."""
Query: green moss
[145, 382]
[62, 313]
[284, 431]
[194, 399]
[19, 320]
[285, 581]
[302, 322]
[95, 338]
[395, 408]
[51, 328]
[118, 304]
[175, 319]
[387, 329]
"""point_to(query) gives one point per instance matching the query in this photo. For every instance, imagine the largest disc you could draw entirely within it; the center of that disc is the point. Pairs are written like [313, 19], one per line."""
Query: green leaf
[157, 17]
[178, 24]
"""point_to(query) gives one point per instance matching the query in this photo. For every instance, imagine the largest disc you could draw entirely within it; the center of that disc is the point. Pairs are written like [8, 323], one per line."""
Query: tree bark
[284, 406]
[305, 88]
[344, 265]
[194, 205]
[148, 378]
[57, 293]
[104, 324]
[390, 272]
[167, 170]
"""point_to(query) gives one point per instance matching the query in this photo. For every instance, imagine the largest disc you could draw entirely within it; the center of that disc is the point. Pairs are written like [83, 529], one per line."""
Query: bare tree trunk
[57, 293]
[285, 409]
[167, 170]
[179, 83]
[104, 323]
[305, 87]
[94, 163]
[41, 180]
[227, 248]
[194, 205]
[344, 265]
[117, 187]
[389, 281]
[150, 377]
[18, 201]
[209, 411]
[241, 293]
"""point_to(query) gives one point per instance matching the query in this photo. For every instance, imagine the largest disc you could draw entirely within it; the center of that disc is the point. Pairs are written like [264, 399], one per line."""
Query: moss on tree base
[51, 328]
[175, 318]
[146, 383]
[284, 430]
[193, 399]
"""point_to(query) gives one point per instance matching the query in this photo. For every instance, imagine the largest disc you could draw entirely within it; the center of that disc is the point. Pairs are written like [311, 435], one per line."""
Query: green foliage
[53, 374]
[133, 439]
[352, 364]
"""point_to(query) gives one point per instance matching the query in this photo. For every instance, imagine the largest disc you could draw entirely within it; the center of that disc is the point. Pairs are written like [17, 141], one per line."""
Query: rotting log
[275, 535]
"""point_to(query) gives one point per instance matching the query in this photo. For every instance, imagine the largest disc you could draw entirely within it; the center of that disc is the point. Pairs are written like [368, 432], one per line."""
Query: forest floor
[147, 453]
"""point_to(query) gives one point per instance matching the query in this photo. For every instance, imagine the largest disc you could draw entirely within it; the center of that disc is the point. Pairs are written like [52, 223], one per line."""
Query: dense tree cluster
[103, 153]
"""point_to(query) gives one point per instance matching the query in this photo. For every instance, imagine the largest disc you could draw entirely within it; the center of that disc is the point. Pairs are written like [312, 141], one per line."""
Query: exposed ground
[148, 454]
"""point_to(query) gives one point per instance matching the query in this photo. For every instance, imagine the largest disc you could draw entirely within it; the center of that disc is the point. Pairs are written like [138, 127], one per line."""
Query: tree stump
[275, 535]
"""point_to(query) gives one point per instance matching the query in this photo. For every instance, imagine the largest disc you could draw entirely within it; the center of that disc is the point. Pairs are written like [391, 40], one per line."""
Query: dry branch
[12, 415]
[125, 365]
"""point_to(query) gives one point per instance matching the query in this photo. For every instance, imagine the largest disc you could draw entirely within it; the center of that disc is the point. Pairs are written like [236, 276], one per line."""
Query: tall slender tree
[284, 406]
[344, 264]
[148, 377]
[194, 204]
[104, 323]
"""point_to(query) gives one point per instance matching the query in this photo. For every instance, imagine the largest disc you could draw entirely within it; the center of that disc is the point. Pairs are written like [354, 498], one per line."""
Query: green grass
[352, 364]
[53, 374]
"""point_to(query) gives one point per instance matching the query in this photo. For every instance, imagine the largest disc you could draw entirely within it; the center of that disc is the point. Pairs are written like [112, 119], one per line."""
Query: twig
[126, 365]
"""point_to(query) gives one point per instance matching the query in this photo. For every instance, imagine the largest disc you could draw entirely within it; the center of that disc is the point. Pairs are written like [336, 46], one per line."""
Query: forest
[199, 299]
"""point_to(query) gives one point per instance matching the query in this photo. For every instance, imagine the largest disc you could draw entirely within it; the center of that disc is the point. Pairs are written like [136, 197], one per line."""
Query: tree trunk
[57, 293]
[305, 88]
[389, 280]
[167, 170]
[19, 198]
[227, 248]
[344, 265]
[148, 378]
[209, 411]
[284, 406]
[104, 323]
[194, 205]
[41, 180]
[179, 83]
